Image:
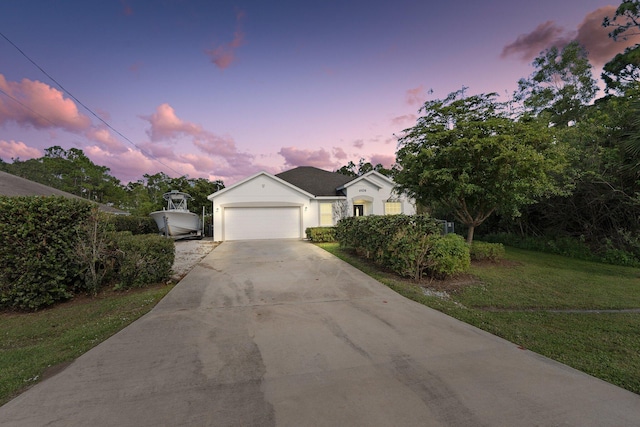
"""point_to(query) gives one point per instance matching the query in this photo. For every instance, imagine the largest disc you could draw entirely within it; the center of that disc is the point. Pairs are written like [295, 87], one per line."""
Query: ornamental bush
[408, 245]
[448, 256]
[321, 234]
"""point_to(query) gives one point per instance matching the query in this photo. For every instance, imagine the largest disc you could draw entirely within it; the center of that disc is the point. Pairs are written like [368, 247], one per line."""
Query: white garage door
[262, 223]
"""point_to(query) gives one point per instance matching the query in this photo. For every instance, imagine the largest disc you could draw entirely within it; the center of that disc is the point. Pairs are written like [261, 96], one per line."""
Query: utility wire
[79, 102]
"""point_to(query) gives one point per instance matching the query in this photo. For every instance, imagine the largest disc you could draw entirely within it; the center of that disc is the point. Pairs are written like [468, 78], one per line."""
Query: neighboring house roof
[13, 185]
[316, 181]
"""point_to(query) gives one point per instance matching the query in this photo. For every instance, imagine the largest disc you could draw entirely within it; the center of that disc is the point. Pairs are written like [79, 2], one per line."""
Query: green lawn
[516, 301]
[33, 343]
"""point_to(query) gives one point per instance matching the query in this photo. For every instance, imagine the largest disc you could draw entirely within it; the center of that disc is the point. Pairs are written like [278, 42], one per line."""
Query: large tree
[467, 155]
[604, 205]
[561, 85]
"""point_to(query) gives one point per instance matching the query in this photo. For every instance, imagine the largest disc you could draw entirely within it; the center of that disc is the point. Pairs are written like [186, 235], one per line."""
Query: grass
[527, 299]
[32, 345]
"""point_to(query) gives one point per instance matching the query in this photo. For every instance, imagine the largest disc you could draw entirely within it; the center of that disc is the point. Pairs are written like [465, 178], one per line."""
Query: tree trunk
[470, 234]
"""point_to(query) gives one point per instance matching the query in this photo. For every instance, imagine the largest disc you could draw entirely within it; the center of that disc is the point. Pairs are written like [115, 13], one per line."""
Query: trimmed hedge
[408, 245]
[321, 234]
[38, 265]
[54, 248]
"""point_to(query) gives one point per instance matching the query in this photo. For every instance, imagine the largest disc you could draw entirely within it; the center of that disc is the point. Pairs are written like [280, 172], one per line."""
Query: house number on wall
[362, 190]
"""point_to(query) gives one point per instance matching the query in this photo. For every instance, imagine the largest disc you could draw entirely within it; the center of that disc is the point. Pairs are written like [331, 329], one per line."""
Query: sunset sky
[224, 89]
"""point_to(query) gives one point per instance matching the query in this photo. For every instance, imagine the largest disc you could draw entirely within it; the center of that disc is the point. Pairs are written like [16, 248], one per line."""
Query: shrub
[407, 245]
[448, 256]
[54, 247]
[38, 259]
[569, 246]
[321, 234]
[94, 249]
[483, 251]
[142, 260]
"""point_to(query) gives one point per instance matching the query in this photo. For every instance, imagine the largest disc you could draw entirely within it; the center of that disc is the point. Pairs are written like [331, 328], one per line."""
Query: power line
[79, 102]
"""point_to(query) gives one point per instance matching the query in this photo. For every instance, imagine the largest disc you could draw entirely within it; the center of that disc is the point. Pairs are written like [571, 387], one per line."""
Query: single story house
[283, 206]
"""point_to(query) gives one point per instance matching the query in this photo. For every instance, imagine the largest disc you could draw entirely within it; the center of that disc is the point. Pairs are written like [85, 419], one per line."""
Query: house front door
[358, 210]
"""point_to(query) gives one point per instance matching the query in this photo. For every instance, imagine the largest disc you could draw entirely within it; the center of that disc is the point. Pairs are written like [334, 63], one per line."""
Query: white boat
[176, 220]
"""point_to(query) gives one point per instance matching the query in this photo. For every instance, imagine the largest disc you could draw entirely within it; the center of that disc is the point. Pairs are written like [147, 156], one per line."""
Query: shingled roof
[316, 181]
[13, 185]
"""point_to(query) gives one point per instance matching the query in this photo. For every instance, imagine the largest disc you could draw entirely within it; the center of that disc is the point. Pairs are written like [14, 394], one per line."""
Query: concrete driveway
[281, 333]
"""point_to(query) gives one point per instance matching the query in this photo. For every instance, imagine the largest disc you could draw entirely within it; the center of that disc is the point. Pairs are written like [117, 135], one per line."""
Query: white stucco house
[282, 206]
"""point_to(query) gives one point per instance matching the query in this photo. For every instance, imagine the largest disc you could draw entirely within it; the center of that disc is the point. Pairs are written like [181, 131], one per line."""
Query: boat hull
[179, 222]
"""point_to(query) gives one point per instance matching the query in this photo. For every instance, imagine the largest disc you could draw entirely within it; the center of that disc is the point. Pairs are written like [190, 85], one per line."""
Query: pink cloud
[358, 143]
[165, 125]
[17, 149]
[224, 55]
[222, 157]
[393, 139]
[216, 145]
[157, 150]
[132, 165]
[595, 37]
[199, 163]
[294, 157]
[590, 33]
[406, 120]
[528, 46]
[339, 153]
[40, 106]
[415, 96]
[104, 138]
[129, 166]
[384, 159]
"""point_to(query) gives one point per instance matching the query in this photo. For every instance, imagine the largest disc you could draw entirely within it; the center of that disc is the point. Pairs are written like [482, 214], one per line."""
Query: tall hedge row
[37, 251]
[411, 246]
[52, 248]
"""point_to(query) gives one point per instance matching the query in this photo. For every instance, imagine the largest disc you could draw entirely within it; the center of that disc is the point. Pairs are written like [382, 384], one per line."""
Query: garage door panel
[262, 223]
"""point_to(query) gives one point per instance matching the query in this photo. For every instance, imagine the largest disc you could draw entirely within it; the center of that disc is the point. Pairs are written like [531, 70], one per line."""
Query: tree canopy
[72, 171]
[350, 169]
[560, 86]
[625, 21]
[466, 154]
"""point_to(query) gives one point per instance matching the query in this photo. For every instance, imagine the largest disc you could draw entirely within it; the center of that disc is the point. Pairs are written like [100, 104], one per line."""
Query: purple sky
[224, 89]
